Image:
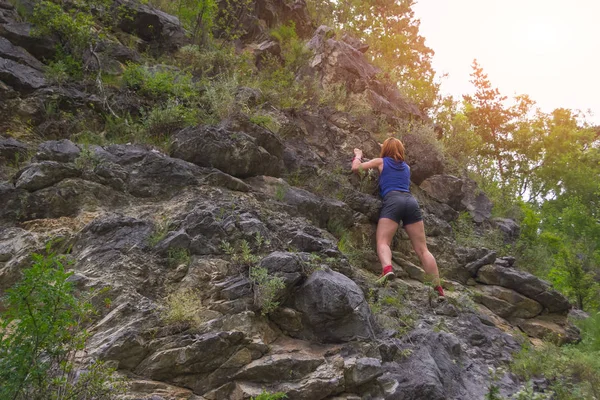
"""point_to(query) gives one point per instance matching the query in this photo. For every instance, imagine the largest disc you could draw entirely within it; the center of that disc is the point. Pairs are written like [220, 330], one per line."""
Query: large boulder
[58, 150]
[18, 54]
[344, 62]
[11, 150]
[150, 24]
[333, 308]
[19, 34]
[525, 284]
[44, 174]
[21, 77]
[424, 158]
[507, 303]
[550, 327]
[235, 153]
[460, 194]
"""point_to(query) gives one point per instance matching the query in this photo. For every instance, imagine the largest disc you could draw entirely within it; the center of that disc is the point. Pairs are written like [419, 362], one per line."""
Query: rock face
[146, 227]
[44, 174]
[333, 308]
[339, 61]
[525, 284]
[58, 150]
[460, 194]
[11, 149]
[18, 54]
[21, 77]
[507, 303]
[234, 153]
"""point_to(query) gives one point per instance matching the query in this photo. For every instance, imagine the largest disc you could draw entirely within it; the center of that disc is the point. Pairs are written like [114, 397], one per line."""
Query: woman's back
[395, 175]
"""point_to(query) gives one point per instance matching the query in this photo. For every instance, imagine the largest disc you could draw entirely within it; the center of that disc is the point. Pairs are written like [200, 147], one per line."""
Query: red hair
[393, 148]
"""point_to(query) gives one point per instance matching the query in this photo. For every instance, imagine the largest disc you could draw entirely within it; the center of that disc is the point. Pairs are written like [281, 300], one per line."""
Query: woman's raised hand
[358, 153]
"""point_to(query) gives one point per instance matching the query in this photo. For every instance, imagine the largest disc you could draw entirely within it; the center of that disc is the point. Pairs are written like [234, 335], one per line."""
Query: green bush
[266, 288]
[573, 370]
[184, 306]
[270, 396]
[159, 84]
[42, 328]
[168, 119]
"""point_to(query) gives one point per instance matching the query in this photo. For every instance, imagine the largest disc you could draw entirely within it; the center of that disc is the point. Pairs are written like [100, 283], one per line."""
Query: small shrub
[183, 306]
[42, 329]
[87, 160]
[280, 192]
[266, 289]
[242, 255]
[265, 121]
[270, 396]
[178, 256]
[161, 229]
[159, 84]
[166, 120]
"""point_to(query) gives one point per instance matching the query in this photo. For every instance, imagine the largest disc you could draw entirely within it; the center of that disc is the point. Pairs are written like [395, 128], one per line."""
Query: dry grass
[72, 224]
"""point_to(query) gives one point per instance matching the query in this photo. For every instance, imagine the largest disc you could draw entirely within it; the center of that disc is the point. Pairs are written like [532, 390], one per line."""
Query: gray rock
[265, 138]
[44, 174]
[268, 369]
[150, 24]
[509, 228]
[18, 54]
[526, 284]
[11, 149]
[361, 371]
[334, 308]
[507, 303]
[474, 266]
[150, 173]
[58, 150]
[265, 51]
[191, 355]
[21, 77]
[234, 153]
[424, 158]
[19, 34]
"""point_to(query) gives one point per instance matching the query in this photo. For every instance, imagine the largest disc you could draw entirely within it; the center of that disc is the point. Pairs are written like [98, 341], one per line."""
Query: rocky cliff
[232, 197]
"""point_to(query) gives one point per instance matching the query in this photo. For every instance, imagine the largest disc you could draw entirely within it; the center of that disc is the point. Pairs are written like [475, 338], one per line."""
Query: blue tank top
[395, 176]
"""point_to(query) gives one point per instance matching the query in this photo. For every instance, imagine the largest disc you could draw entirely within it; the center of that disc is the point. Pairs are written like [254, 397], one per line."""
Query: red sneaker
[386, 274]
[440, 292]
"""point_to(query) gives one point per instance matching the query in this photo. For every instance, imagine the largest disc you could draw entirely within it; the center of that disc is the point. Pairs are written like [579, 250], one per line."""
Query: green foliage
[392, 33]
[467, 235]
[41, 330]
[197, 16]
[280, 192]
[357, 249]
[161, 229]
[229, 21]
[159, 84]
[242, 254]
[573, 370]
[87, 159]
[270, 396]
[75, 28]
[177, 256]
[266, 289]
[162, 121]
[183, 306]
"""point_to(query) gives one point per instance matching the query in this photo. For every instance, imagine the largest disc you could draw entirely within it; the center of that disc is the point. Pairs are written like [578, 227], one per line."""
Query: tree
[41, 330]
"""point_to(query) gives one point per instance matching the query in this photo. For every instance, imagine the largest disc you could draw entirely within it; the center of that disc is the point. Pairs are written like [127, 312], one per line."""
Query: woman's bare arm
[357, 165]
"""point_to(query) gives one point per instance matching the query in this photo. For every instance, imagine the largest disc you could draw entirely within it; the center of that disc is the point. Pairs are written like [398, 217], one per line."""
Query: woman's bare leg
[416, 233]
[386, 229]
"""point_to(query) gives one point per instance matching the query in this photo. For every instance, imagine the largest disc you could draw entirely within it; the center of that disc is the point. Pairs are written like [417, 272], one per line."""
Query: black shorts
[401, 206]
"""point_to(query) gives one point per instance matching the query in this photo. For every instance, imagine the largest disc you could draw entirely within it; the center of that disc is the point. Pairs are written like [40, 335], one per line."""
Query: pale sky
[548, 49]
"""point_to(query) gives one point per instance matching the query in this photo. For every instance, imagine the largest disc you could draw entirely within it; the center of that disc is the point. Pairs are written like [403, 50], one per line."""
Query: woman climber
[398, 205]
